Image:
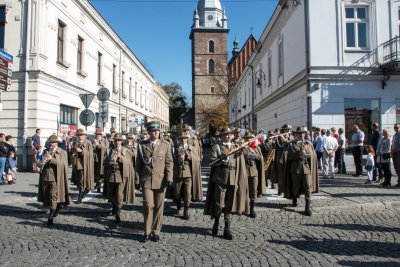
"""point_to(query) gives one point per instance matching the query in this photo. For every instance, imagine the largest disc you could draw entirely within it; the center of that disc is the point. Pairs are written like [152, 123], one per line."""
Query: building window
[130, 90]
[2, 25]
[361, 112]
[141, 97]
[114, 78]
[356, 27]
[68, 115]
[113, 123]
[211, 66]
[123, 85]
[123, 124]
[99, 64]
[80, 55]
[60, 42]
[212, 89]
[211, 47]
[136, 94]
[280, 57]
[269, 70]
[398, 20]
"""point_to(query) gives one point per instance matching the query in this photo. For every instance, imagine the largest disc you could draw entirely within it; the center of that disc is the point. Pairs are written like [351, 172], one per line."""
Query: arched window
[211, 46]
[211, 66]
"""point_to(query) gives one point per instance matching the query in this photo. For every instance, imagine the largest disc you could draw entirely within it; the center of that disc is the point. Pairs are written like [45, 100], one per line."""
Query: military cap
[236, 130]
[130, 136]
[185, 127]
[249, 135]
[98, 132]
[224, 130]
[112, 130]
[80, 132]
[286, 127]
[53, 138]
[153, 126]
[183, 136]
[118, 137]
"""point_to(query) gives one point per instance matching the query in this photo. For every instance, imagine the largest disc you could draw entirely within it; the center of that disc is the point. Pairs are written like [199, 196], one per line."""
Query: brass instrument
[215, 162]
[44, 160]
[113, 160]
[270, 156]
[279, 135]
[181, 154]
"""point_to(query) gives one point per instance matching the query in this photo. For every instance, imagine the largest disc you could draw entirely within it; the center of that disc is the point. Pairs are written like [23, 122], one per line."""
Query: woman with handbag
[383, 158]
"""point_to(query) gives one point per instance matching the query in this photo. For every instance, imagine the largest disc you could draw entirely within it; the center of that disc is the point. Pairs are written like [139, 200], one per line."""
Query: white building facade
[64, 48]
[323, 63]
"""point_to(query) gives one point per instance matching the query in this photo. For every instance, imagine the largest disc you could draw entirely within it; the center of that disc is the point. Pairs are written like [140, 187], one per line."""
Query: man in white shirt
[330, 147]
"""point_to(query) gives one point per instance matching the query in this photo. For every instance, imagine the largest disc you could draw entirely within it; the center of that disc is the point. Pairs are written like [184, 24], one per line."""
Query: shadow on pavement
[358, 227]
[369, 263]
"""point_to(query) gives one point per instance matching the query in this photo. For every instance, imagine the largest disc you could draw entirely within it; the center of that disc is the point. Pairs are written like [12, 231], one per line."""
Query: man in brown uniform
[120, 179]
[281, 145]
[53, 183]
[255, 171]
[100, 146]
[302, 176]
[154, 166]
[131, 145]
[183, 180]
[83, 152]
[227, 190]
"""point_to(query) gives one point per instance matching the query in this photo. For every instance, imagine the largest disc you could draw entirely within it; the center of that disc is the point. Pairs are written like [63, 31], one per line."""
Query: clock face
[210, 17]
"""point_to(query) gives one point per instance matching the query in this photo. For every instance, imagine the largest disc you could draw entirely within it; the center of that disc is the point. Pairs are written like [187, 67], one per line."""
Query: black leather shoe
[215, 227]
[144, 238]
[155, 238]
[118, 215]
[294, 202]
[57, 211]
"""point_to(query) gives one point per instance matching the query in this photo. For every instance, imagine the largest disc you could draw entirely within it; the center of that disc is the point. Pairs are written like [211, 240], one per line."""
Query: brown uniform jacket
[257, 169]
[154, 167]
[57, 168]
[85, 162]
[100, 152]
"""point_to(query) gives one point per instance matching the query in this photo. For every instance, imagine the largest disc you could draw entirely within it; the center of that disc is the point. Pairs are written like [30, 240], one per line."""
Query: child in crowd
[10, 169]
[370, 165]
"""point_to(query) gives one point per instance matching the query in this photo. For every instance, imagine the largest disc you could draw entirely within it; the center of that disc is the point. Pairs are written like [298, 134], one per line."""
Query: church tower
[209, 62]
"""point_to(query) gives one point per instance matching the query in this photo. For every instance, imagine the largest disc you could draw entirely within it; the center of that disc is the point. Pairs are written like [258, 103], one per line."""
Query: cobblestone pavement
[353, 225]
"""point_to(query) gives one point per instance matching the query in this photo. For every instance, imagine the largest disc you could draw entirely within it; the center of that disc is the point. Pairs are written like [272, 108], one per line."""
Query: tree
[178, 103]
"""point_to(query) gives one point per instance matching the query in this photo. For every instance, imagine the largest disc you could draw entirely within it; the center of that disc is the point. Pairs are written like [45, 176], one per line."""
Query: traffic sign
[103, 94]
[103, 112]
[86, 117]
[87, 99]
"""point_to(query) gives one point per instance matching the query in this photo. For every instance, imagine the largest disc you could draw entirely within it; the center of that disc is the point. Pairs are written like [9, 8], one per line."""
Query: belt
[231, 167]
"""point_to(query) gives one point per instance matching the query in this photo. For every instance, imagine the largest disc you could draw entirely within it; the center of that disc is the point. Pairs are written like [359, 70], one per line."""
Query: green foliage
[178, 104]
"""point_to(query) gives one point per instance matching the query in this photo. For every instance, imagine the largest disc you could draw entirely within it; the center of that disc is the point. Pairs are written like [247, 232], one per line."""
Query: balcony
[391, 56]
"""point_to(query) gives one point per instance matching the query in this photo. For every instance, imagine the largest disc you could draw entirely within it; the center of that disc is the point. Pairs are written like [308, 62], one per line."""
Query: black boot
[80, 197]
[57, 210]
[307, 210]
[114, 209]
[178, 205]
[252, 212]
[50, 219]
[227, 231]
[98, 187]
[85, 192]
[215, 226]
[118, 215]
[186, 212]
[294, 202]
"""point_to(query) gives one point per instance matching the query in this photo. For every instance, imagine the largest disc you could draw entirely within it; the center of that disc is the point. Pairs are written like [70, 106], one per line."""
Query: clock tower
[209, 62]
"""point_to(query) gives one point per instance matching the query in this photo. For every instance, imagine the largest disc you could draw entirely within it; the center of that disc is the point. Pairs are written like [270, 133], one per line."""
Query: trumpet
[181, 153]
[113, 160]
[279, 135]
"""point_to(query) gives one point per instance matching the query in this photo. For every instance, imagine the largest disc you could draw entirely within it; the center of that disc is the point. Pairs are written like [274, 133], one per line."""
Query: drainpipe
[308, 56]
[27, 5]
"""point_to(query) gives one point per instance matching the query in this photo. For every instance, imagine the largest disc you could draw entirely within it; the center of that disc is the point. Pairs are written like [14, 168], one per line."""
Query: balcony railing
[391, 52]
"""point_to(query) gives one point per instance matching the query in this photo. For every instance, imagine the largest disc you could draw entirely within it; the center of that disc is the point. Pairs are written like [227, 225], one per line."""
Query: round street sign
[86, 117]
[103, 94]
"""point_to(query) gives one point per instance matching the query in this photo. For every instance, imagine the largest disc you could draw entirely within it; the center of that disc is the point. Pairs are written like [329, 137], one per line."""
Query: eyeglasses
[396, 127]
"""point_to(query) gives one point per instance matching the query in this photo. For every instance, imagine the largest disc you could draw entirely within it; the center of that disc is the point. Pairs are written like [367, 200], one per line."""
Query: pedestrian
[154, 167]
[227, 190]
[35, 143]
[334, 133]
[376, 136]
[340, 151]
[53, 181]
[10, 168]
[383, 158]
[357, 144]
[319, 146]
[395, 151]
[63, 141]
[84, 166]
[3, 157]
[255, 171]
[120, 177]
[370, 164]
[100, 147]
[330, 147]
[302, 176]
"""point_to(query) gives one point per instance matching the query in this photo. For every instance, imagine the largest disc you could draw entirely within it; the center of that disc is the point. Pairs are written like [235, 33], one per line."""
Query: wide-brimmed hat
[224, 130]
[183, 136]
[53, 138]
[236, 130]
[130, 136]
[118, 137]
[153, 126]
[80, 132]
[249, 135]
[301, 129]
[98, 132]
[286, 127]
[112, 130]
[185, 127]
[270, 133]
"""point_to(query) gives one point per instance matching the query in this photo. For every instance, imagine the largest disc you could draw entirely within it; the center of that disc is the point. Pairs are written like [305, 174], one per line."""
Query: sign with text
[6, 61]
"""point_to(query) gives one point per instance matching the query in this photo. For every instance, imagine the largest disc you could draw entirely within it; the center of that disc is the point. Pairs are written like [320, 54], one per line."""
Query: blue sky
[157, 31]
